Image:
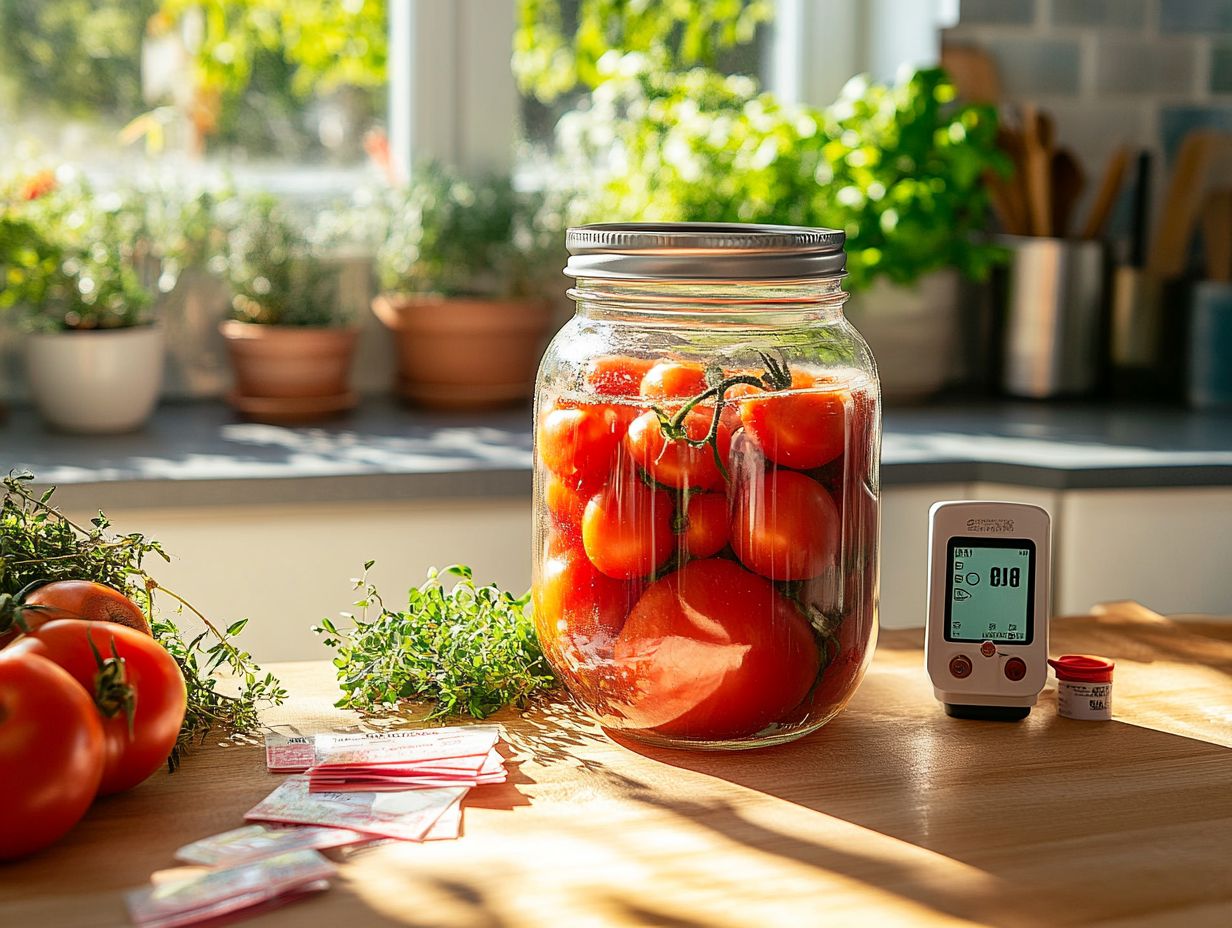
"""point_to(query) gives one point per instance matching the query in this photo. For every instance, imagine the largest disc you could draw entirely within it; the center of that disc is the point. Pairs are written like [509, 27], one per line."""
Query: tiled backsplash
[1138, 72]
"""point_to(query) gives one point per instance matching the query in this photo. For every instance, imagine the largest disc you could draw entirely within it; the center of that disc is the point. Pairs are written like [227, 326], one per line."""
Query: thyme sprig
[39, 544]
[468, 649]
[776, 377]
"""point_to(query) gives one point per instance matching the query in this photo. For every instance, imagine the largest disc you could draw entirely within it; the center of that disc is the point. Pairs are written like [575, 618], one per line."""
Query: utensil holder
[1053, 298]
[1148, 335]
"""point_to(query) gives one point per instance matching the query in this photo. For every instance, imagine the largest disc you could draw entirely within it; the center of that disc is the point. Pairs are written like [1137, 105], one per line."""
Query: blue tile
[1221, 69]
[1028, 66]
[1195, 15]
[1133, 65]
[1175, 122]
[1006, 12]
[1118, 14]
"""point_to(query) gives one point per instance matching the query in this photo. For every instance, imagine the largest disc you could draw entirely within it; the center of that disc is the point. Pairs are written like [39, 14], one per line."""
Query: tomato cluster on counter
[706, 577]
[90, 705]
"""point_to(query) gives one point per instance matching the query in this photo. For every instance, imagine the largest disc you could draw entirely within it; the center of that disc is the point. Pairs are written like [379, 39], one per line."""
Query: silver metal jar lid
[694, 251]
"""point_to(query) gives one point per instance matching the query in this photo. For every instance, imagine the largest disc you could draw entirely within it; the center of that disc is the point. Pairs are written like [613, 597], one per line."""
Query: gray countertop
[200, 454]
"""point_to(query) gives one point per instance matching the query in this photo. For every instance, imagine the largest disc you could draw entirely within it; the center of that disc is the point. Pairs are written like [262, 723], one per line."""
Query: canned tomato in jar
[707, 437]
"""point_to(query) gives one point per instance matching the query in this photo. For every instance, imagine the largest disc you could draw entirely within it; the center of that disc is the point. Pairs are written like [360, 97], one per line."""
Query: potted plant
[455, 268]
[94, 356]
[290, 346]
[904, 175]
[900, 168]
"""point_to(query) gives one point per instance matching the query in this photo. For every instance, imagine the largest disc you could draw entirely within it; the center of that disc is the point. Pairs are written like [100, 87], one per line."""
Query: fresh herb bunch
[471, 649]
[274, 272]
[69, 257]
[457, 235]
[38, 543]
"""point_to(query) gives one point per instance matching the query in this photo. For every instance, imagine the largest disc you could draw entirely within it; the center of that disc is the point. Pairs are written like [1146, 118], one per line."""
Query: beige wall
[286, 567]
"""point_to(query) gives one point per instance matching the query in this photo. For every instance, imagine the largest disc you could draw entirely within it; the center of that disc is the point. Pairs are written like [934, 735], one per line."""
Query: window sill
[199, 454]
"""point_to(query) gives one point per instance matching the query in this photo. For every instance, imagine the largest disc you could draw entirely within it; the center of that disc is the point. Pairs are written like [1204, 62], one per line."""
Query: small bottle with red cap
[1084, 686]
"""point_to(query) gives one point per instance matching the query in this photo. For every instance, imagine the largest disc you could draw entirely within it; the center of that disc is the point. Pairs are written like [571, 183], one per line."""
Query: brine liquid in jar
[706, 492]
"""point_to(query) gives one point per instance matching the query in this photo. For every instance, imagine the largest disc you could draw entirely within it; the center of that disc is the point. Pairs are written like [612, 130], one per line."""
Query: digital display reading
[990, 590]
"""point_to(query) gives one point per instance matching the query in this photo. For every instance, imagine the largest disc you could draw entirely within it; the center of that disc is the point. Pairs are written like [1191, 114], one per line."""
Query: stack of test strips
[437, 757]
[250, 887]
[406, 785]
[347, 790]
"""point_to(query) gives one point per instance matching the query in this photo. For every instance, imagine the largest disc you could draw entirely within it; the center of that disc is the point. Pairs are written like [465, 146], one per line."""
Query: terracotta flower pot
[465, 353]
[290, 373]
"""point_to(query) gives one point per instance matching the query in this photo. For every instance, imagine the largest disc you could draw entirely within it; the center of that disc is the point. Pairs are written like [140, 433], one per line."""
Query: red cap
[1083, 668]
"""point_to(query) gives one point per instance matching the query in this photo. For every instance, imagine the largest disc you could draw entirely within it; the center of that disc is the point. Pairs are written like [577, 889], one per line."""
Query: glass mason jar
[707, 435]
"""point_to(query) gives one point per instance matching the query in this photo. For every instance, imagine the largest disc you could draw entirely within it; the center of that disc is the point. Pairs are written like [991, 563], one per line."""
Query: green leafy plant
[274, 273]
[68, 257]
[453, 235]
[39, 544]
[902, 171]
[897, 167]
[470, 650]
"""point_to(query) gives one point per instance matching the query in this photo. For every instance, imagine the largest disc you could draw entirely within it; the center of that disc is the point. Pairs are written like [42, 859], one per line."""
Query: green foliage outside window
[673, 34]
[78, 56]
[259, 65]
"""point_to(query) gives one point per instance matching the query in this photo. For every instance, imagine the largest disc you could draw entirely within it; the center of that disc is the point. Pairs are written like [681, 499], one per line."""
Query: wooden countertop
[893, 814]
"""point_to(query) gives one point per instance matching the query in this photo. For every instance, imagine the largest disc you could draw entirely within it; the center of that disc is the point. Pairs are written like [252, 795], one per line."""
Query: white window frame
[818, 45]
[452, 96]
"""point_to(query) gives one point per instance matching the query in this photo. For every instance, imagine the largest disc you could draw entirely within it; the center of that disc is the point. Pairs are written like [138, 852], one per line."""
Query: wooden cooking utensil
[973, 72]
[1008, 194]
[1037, 133]
[1067, 181]
[1217, 235]
[1174, 230]
[1106, 196]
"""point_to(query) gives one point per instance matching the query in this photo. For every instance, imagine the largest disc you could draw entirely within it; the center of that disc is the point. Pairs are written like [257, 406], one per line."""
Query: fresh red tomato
[785, 525]
[853, 636]
[715, 652]
[577, 608]
[676, 463]
[51, 753]
[627, 530]
[77, 599]
[159, 697]
[798, 429]
[706, 531]
[566, 501]
[617, 375]
[578, 442]
[674, 380]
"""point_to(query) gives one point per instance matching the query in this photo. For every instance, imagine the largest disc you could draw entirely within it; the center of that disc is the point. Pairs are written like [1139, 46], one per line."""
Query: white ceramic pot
[98, 382]
[912, 331]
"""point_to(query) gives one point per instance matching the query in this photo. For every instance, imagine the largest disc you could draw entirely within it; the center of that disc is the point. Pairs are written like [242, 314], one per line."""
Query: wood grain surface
[893, 814]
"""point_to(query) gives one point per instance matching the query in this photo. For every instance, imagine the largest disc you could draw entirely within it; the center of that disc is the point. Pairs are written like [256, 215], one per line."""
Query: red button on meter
[988, 649]
[960, 666]
[1015, 669]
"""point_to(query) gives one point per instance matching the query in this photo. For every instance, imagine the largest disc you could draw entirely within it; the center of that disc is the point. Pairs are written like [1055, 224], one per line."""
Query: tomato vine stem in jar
[777, 377]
